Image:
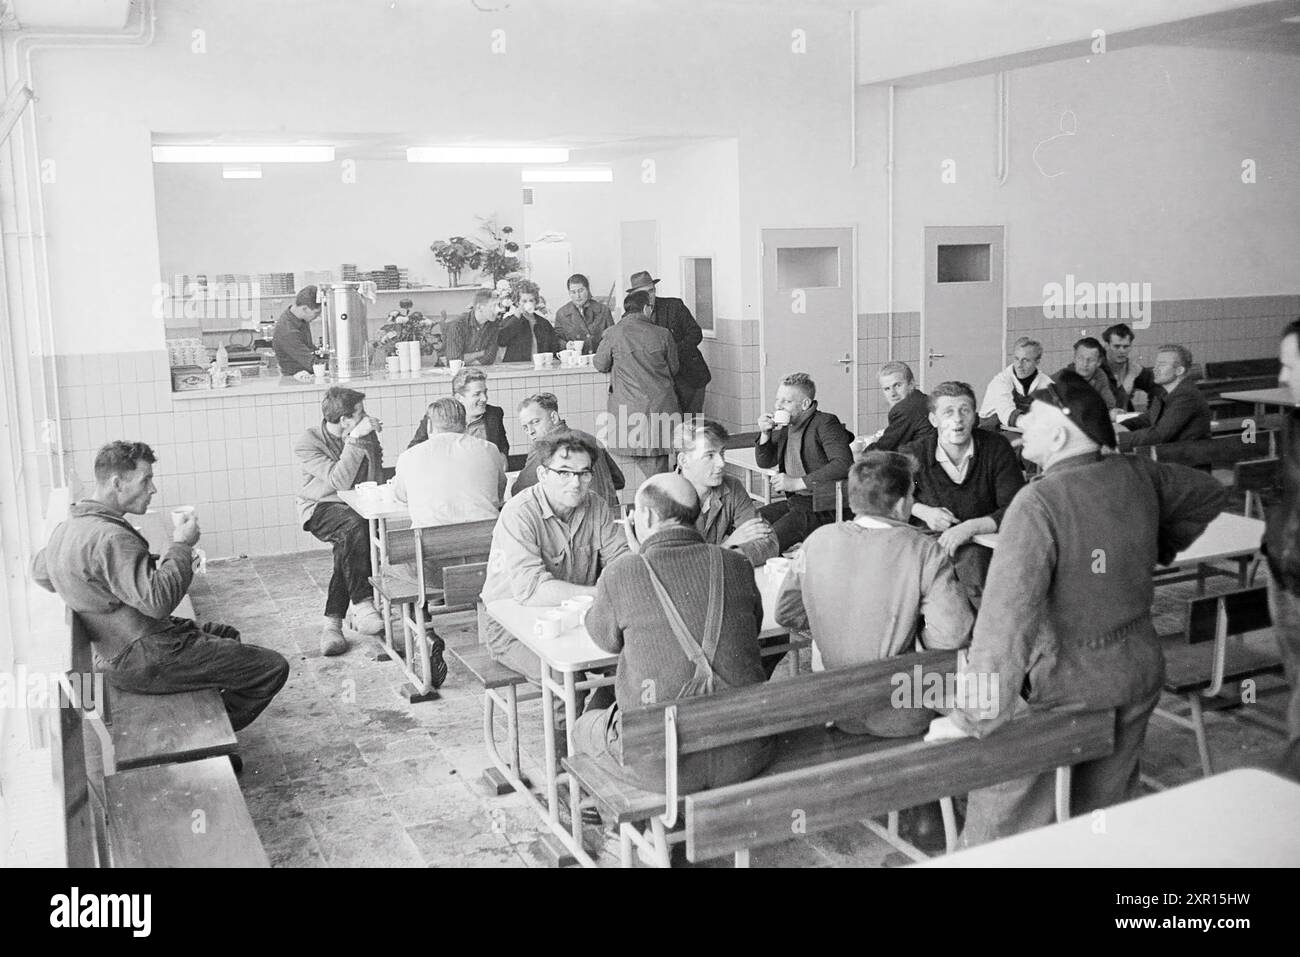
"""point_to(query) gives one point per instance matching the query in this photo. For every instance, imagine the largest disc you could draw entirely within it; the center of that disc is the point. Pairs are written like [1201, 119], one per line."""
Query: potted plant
[499, 253]
[456, 255]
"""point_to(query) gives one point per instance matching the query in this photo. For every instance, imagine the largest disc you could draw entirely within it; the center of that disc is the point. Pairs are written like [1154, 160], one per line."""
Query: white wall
[1148, 190]
[305, 216]
[584, 212]
[706, 71]
[695, 198]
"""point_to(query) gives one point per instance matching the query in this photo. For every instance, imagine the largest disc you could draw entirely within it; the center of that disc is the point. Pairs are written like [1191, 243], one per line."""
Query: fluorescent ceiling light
[243, 154]
[568, 176]
[486, 154]
[241, 171]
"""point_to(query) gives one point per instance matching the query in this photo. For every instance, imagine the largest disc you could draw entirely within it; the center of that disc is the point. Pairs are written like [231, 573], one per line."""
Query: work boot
[437, 663]
[364, 620]
[332, 641]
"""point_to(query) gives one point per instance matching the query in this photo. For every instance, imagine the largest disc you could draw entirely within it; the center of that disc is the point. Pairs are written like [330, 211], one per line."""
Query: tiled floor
[341, 771]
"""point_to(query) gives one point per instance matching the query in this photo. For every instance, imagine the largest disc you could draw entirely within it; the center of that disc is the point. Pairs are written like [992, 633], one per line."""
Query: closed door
[809, 322]
[963, 317]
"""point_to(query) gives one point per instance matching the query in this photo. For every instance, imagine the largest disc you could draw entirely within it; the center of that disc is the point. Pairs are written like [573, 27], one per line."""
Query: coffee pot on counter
[343, 323]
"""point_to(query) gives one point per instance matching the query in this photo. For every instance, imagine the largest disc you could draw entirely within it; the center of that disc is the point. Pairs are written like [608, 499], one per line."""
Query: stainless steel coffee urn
[343, 319]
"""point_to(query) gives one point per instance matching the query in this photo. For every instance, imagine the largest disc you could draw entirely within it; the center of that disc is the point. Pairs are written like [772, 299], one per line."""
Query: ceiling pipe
[1003, 88]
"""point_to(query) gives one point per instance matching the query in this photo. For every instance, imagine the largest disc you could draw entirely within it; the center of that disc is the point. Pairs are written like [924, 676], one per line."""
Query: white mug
[549, 625]
[393, 364]
[455, 365]
[541, 359]
[180, 513]
[318, 370]
[781, 417]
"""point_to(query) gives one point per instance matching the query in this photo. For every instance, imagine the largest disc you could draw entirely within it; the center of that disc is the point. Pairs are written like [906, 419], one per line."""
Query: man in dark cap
[1066, 615]
[294, 347]
[693, 374]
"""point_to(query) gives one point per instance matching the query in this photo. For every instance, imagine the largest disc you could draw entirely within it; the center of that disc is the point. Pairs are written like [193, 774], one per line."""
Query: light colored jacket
[999, 396]
[449, 479]
[324, 475]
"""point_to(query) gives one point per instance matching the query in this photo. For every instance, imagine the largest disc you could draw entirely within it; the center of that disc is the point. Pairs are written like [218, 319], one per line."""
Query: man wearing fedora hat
[693, 374]
[1066, 615]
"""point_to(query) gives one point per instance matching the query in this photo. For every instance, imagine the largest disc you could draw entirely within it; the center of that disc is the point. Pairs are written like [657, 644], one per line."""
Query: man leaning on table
[335, 456]
[728, 516]
[1007, 395]
[683, 616]
[1282, 546]
[1176, 410]
[1066, 615]
[551, 542]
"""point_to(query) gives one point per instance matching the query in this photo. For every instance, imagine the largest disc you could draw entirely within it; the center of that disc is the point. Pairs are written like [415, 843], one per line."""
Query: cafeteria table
[563, 659]
[1261, 398]
[1241, 818]
[1228, 538]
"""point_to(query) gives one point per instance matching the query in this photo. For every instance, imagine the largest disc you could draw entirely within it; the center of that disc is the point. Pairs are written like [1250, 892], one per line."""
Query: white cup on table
[393, 364]
[577, 608]
[550, 624]
[541, 360]
[318, 370]
[455, 365]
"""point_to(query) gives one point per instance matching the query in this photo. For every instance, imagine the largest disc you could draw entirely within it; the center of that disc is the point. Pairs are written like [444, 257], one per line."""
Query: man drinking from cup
[341, 453]
[102, 569]
[810, 451]
[526, 332]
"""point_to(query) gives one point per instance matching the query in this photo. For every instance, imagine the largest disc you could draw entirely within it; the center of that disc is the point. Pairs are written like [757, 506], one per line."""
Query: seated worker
[526, 332]
[810, 451]
[475, 336]
[539, 415]
[451, 477]
[448, 479]
[101, 567]
[1056, 630]
[336, 456]
[727, 513]
[965, 479]
[295, 349]
[1087, 365]
[876, 587]
[1126, 376]
[909, 411]
[683, 616]
[582, 317]
[1007, 395]
[551, 542]
[1177, 412]
[483, 421]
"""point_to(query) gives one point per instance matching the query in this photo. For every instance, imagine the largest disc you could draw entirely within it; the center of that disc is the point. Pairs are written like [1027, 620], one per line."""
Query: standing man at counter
[474, 337]
[641, 359]
[294, 348]
[582, 317]
[693, 372]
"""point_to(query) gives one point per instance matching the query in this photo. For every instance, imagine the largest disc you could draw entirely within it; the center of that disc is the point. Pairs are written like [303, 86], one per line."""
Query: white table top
[1275, 396]
[744, 458]
[574, 650]
[1228, 536]
[391, 509]
[1242, 818]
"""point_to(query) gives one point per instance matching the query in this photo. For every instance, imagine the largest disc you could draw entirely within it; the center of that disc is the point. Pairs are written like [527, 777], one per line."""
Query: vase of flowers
[404, 334]
[456, 255]
[499, 260]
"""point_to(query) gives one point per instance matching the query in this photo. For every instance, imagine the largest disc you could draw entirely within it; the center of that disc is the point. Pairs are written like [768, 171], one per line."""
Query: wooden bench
[1221, 642]
[138, 730]
[831, 777]
[459, 555]
[186, 814]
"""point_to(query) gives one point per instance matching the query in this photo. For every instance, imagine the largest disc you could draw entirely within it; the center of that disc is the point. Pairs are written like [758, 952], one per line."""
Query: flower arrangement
[456, 255]
[499, 260]
[409, 326]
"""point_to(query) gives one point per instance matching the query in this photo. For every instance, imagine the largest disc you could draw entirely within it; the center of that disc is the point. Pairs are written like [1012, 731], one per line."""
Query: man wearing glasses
[1066, 615]
[551, 542]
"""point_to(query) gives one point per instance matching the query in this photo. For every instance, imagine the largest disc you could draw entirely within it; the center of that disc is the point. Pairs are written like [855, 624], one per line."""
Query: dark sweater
[627, 619]
[908, 422]
[992, 481]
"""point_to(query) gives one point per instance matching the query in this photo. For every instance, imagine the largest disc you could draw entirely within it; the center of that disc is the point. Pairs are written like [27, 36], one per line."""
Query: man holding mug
[810, 451]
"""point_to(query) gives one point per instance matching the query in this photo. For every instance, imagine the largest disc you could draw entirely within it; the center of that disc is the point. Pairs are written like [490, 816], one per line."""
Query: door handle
[845, 361]
[935, 355]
